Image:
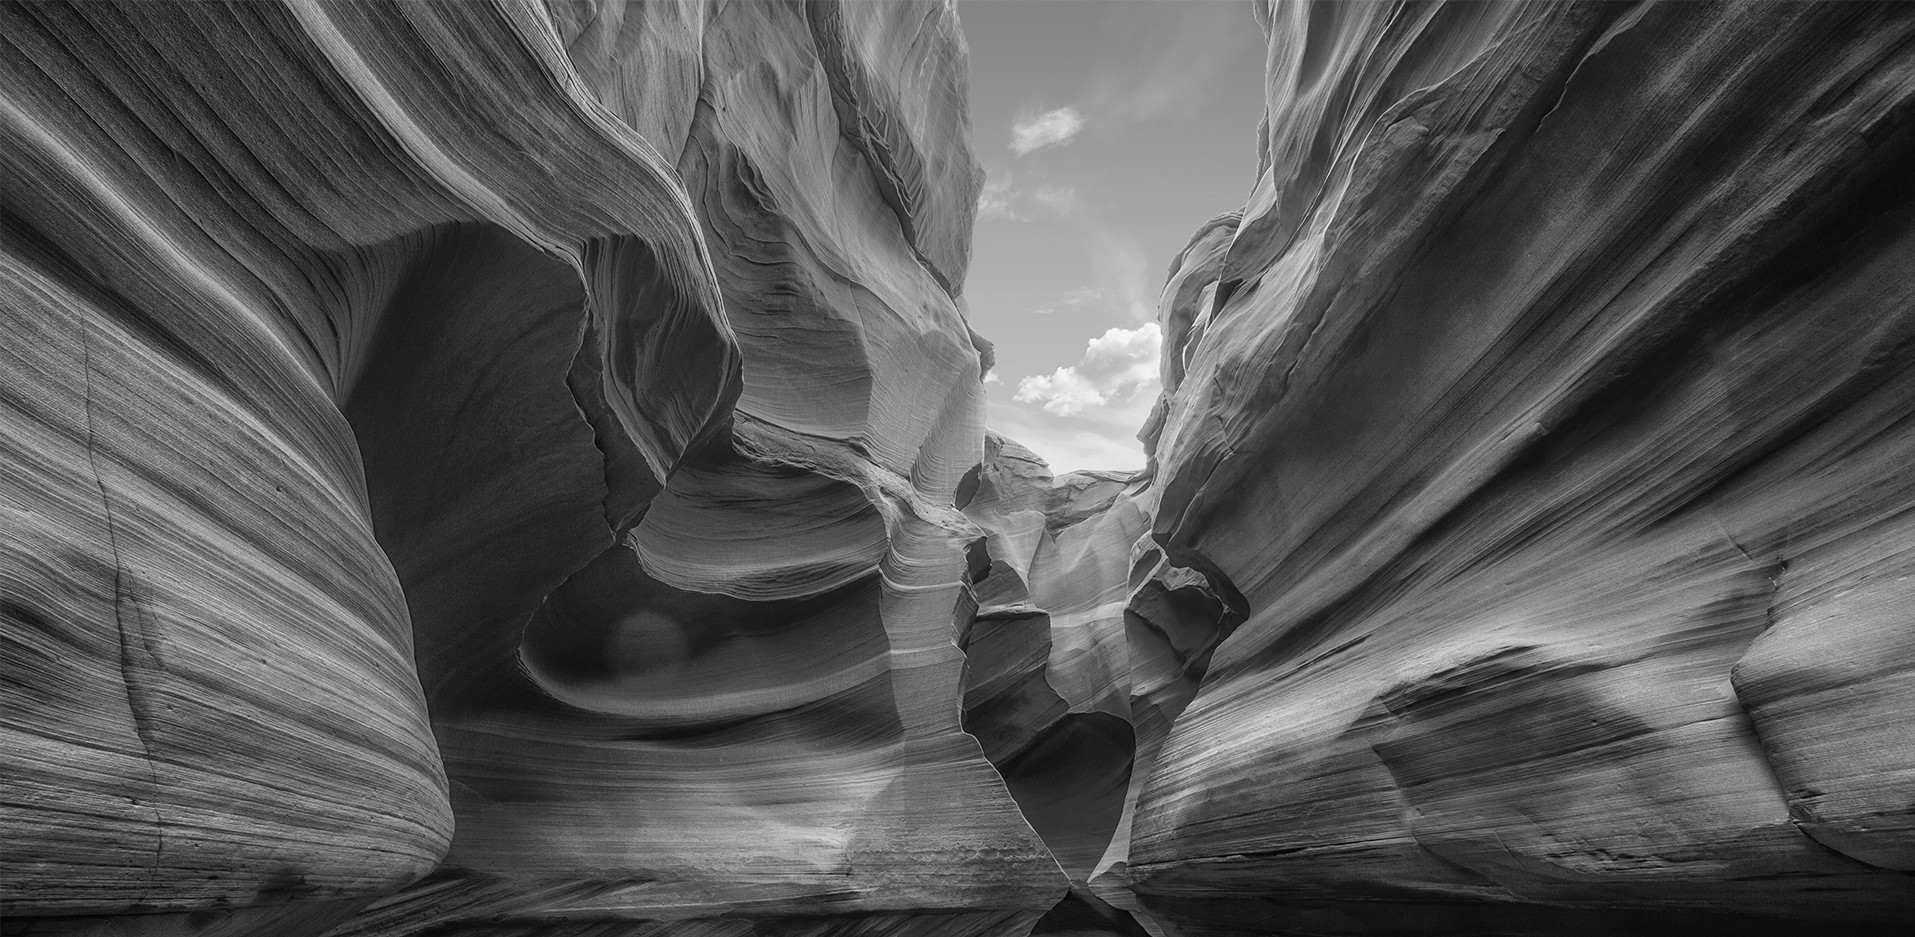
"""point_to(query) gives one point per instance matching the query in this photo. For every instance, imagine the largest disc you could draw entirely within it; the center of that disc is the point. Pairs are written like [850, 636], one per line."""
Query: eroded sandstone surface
[602, 359]
[1551, 418]
[520, 469]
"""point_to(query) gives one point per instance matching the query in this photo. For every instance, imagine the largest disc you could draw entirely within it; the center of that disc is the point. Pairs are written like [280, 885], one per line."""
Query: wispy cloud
[1057, 199]
[1070, 299]
[1050, 128]
[1118, 263]
[1118, 367]
[1119, 268]
[998, 200]
[1005, 200]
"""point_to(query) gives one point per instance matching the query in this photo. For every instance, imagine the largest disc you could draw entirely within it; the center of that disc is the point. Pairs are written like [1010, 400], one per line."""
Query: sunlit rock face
[1548, 408]
[512, 444]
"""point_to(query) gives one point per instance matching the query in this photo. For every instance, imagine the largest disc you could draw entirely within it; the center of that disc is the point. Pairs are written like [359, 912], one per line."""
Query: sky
[1110, 129]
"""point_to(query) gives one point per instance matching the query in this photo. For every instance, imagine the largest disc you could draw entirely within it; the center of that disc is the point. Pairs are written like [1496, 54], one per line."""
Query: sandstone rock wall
[1548, 408]
[601, 359]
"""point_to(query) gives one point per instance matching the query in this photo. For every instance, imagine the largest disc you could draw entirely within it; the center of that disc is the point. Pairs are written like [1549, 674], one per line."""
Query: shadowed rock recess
[517, 469]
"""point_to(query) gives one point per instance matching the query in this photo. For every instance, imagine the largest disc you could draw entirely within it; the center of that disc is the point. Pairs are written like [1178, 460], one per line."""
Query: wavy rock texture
[603, 359]
[1548, 408]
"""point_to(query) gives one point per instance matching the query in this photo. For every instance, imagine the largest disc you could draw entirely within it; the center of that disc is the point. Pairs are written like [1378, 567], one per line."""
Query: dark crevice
[130, 676]
[1082, 914]
[629, 485]
[967, 487]
[35, 248]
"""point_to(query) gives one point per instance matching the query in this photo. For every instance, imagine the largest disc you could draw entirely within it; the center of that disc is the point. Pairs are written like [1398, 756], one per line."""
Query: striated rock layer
[513, 442]
[1548, 408]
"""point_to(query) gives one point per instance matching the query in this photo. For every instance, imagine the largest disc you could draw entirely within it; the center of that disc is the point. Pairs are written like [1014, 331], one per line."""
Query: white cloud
[990, 377]
[1118, 367]
[1086, 416]
[1051, 128]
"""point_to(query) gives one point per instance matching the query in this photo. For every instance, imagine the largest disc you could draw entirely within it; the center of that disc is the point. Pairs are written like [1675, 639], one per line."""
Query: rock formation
[519, 469]
[603, 358]
[1548, 409]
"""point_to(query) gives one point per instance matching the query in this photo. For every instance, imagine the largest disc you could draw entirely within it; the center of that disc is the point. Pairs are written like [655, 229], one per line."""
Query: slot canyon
[521, 469]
